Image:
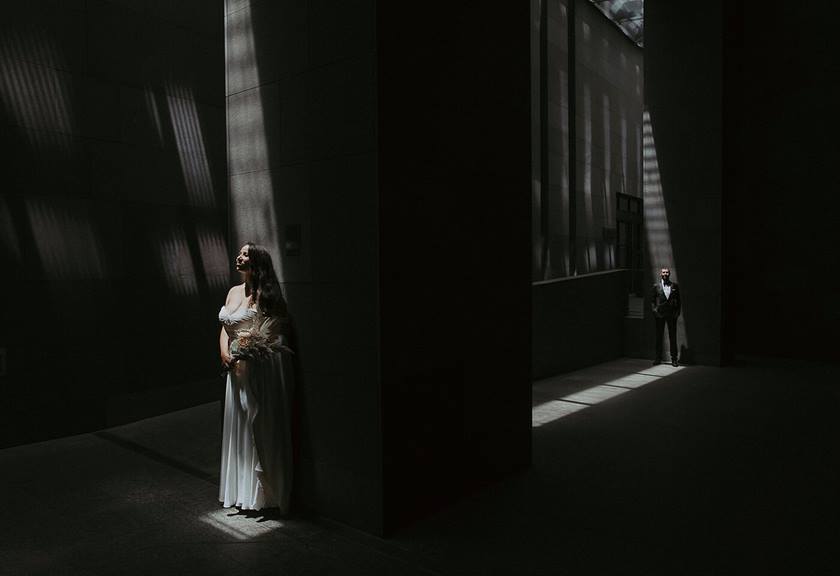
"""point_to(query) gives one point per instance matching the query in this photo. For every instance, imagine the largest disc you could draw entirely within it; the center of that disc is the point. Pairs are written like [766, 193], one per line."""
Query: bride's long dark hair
[263, 283]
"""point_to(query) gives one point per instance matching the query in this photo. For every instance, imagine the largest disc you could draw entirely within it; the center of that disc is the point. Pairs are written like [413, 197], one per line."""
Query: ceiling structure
[628, 15]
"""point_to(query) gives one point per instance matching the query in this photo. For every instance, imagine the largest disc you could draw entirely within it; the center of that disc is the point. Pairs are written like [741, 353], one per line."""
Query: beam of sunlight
[660, 248]
[537, 233]
[8, 237]
[566, 404]
[66, 242]
[214, 258]
[239, 526]
[638, 81]
[154, 113]
[553, 410]
[240, 51]
[639, 164]
[608, 247]
[624, 156]
[189, 140]
[252, 198]
[563, 220]
[589, 214]
[34, 91]
[595, 394]
[252, 194]
[608, 213]
[177, 265]
[635, 380]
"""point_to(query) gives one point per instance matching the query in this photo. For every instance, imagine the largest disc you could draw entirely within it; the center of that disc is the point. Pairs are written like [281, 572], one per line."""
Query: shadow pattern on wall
[301, 90]
[657, 228]
[113, 214]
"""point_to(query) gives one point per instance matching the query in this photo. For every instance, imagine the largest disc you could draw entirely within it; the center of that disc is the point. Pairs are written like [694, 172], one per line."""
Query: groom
[665, 303]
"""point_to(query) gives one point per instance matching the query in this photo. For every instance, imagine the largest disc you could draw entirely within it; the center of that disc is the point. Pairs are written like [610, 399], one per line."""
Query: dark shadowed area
[113, 212]
[467, 207]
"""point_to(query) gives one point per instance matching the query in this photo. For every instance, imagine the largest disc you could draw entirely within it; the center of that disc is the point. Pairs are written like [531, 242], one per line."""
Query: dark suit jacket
[663, 307]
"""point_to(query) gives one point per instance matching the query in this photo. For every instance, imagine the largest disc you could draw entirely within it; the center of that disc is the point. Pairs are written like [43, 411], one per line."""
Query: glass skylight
[629, 15]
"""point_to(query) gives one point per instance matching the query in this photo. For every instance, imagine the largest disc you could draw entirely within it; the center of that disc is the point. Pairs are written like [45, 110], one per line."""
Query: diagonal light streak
[556, 408]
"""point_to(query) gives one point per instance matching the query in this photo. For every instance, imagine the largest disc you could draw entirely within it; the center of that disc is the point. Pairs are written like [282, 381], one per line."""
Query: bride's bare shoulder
[235, 295]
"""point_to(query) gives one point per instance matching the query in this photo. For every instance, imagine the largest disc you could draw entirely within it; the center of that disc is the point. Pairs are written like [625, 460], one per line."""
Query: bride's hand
[227, 360]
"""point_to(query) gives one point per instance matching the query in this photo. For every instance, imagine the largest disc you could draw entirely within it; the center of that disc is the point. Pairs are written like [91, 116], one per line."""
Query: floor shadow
[704, 471]
[157, 456]
[262, 515]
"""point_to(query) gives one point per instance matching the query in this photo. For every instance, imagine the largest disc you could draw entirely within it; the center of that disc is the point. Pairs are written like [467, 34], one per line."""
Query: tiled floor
[637, 470]
[557, 397]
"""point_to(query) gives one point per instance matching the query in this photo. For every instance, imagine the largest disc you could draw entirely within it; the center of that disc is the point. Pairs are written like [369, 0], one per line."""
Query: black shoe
[674, 363]
[657, 361]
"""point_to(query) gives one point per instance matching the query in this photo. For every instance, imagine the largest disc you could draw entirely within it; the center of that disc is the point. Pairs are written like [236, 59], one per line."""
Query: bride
[256, 436]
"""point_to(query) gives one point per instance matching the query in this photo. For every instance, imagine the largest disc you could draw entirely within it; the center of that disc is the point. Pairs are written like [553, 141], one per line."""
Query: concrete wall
[301, 102]
[609, 95]
[581, 322]
[380, 138]
[455, 238]
[577, 322]
[783, 207]
[112, 211]
[684, 162]
[556, 115]
[608, 136]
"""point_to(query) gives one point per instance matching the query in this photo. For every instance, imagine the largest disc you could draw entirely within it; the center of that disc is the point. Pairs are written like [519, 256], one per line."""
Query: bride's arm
[224, 346]
[224, 339]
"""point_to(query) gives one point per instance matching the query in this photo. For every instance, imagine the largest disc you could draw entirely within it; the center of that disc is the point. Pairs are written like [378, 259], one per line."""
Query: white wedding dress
[256, 435]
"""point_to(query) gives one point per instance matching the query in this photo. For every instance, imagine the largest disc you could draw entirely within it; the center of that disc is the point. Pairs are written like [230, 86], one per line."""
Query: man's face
[666, 275]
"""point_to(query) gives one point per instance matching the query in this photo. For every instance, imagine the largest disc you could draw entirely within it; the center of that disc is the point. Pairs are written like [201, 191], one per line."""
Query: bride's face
[242, 259]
